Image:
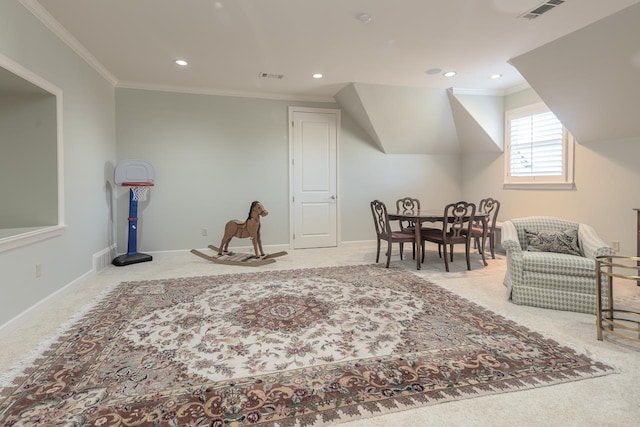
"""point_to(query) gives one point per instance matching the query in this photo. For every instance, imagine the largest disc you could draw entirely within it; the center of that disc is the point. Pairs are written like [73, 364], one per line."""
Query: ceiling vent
[541, 8]
[270, 76]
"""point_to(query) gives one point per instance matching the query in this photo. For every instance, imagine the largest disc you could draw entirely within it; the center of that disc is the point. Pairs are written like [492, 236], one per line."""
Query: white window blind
[539, 150]
[536, 146]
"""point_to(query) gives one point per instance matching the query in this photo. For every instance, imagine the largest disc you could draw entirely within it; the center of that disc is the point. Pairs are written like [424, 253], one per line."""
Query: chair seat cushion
[408, 235]
[477, 231]
[430, 230]
[561, 264]
[435, 236]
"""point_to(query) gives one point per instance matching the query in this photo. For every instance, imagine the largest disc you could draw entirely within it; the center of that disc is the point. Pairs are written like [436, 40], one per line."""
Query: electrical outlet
[205, 231]
[38, 270]
[615, 245]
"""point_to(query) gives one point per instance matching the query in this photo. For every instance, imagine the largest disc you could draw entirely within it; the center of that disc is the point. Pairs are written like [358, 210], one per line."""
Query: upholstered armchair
[564, 279]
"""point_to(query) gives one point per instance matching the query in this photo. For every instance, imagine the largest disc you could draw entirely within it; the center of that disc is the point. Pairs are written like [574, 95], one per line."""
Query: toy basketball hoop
[139, 190]
[138, 176]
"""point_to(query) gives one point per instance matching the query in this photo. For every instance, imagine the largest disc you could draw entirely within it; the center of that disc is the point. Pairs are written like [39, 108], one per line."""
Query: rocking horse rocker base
[232, 258]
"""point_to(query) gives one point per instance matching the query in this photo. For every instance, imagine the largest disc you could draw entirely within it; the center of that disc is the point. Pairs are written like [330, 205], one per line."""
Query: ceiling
[228, 43]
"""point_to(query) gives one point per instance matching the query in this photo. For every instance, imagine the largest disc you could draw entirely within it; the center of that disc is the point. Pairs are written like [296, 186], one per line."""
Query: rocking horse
[250, 228]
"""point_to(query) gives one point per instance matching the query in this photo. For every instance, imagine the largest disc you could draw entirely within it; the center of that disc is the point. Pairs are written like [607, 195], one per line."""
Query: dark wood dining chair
[456, 229]
[384, 231]
[490, 207]
[404, 205]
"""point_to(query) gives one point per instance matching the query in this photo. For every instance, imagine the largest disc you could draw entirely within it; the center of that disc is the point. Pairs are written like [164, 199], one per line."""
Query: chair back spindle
[490, 207]
[380, 218]
[456, 229]
[461, 216]
[407, 205]
[384, 231]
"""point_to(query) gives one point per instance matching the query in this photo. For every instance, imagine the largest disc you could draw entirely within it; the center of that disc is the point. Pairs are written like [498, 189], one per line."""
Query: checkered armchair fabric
[547, 279]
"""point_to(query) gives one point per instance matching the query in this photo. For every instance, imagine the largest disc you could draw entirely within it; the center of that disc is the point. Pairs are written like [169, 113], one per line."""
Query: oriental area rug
[302, 347]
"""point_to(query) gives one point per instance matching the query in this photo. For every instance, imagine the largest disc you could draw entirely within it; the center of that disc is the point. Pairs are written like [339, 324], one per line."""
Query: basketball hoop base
[127, 259]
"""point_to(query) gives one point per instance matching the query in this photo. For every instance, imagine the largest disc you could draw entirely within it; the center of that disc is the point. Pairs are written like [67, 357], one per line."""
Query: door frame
[336, 112]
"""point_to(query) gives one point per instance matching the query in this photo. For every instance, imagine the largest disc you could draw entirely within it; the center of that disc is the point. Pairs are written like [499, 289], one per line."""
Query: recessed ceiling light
[181, 62]
[495, 76]
[365, 18]
[434, 71]
[450, 74]
[318, 76]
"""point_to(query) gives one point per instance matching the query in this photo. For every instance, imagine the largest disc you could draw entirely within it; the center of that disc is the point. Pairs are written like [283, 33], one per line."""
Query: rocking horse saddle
[242, 230]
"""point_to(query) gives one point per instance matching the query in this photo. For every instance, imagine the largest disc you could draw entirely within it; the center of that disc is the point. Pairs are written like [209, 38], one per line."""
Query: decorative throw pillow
[563, 242]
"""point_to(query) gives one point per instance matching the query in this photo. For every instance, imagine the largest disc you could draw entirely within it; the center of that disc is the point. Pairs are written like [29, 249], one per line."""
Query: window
[539, 150]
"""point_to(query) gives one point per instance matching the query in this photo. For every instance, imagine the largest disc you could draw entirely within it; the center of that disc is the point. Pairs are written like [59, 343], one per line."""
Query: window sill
[31, 236]
[538, 186]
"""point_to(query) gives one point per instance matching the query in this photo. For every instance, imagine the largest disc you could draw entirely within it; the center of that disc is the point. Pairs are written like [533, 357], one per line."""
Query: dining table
[420, 216]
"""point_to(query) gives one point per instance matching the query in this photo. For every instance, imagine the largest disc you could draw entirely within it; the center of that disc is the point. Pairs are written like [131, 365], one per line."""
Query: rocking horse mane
[253, 205]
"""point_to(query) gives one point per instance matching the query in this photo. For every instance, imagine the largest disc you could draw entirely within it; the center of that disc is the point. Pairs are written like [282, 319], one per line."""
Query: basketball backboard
[132, 171]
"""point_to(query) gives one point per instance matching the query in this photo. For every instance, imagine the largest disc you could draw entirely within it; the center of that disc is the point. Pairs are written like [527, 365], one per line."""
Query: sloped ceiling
[479, 122]
[408, 120]
[591, 77]
[350, 101]
[403, 120]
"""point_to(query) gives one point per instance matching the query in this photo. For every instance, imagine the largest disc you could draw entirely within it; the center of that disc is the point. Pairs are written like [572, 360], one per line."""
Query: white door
[313, 142]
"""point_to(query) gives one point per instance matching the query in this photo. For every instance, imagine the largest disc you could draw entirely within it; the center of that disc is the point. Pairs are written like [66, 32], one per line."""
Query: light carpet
[295, 347]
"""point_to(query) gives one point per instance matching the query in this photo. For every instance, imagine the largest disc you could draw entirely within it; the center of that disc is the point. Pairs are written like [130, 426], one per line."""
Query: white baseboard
[358, 243]
[47, 301]
[101, 260]
[241, 249]
[249, 248]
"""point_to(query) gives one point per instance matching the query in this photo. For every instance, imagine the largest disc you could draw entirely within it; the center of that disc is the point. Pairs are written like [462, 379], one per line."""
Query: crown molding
[200, 91]
[518, 88]
[490, 92]
[56, 28]
[485, 92]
